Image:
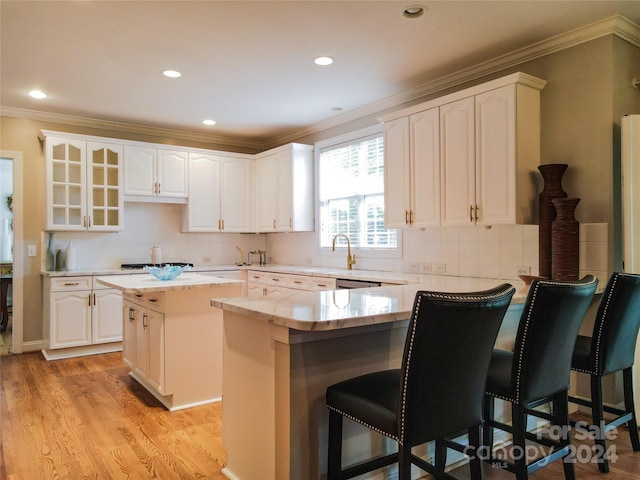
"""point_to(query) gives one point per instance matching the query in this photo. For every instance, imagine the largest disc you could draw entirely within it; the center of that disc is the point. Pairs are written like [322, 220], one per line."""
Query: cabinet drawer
[68, 284]
[153, 300]
[322, 283]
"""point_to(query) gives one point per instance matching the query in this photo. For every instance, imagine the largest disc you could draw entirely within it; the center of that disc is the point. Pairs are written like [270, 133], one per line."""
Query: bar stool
[537, 372]
[438, 389]
[611, 348]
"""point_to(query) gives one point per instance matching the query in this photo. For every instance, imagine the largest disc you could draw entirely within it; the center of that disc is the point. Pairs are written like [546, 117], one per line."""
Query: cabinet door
[496, 156]
[155, 334]
[106, 316]
[172, 173]
[70, 319]
[266, 193]
[140, 176]
[236, 194]
[66, 183]
[284, 192]
[105, 204]
[203, 208]
[397, 173]
[129, 333]
[457, 150]
[425, 168]
[255, 289]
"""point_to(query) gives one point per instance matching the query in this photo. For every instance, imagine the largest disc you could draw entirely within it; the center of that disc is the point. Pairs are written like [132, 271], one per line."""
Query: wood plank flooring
[85, 418]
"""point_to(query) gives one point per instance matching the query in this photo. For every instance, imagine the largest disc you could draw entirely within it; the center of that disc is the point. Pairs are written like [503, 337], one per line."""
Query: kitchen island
[172, 336]
[280, 355]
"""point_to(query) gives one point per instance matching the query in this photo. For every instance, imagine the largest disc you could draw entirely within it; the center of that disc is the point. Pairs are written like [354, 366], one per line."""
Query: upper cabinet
[220, 197]
[412, 170]
[83, 183]
[284, 189]
[466, 158]
[155, 174]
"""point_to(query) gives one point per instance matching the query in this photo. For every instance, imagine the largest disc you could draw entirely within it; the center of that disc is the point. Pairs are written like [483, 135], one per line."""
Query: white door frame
[18, 256]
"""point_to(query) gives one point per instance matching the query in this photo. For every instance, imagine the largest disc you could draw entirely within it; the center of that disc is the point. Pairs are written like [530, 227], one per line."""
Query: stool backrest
[613, 343]
[546, 336]
[446, 359]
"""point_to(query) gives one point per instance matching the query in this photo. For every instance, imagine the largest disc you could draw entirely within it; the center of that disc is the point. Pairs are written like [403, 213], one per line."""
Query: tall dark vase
[552, 176]
[565, 241]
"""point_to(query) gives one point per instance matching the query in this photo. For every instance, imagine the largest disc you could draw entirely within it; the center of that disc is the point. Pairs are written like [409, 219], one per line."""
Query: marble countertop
[147, 283]
[336, 309]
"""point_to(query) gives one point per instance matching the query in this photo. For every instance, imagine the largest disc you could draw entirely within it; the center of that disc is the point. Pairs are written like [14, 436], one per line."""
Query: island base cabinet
[174, 344]
[275, 423]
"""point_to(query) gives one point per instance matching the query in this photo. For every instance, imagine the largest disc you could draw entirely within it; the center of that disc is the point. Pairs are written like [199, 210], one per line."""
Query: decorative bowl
[167, 272]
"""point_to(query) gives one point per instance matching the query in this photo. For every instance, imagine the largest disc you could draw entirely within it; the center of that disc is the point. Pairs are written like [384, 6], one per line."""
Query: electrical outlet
[206, 260]
[524, 270]
[426, 268]
[309, 260]
[441, 267]
[31, 251]
[413, 267]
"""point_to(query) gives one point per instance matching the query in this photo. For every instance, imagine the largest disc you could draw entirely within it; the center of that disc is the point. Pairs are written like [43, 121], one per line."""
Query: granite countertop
[120, 271]
[147, 283]
[336, 309]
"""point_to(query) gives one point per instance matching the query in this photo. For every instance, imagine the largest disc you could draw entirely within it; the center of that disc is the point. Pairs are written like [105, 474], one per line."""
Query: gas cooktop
[140, 266]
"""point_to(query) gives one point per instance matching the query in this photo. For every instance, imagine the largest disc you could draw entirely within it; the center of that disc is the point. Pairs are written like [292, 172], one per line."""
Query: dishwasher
[343, 284]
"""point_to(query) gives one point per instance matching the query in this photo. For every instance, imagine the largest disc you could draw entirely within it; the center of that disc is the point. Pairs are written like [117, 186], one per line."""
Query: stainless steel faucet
[351, 259]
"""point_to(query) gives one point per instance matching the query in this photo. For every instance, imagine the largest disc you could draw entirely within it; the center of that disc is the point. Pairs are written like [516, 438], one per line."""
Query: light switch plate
[31, 251]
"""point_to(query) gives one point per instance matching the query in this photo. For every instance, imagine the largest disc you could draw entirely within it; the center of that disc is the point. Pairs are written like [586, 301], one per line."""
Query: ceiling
[249, 65]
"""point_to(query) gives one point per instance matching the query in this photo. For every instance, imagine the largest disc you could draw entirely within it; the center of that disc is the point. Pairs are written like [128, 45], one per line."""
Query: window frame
[382, 253]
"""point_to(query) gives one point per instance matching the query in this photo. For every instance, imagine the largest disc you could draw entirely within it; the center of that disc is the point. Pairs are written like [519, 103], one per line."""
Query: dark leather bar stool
[611, 348]
[437, 391]
[537, 372]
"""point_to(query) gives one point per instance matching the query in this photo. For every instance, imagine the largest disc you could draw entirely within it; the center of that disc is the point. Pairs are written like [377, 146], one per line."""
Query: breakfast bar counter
[281, 354]
[172, 336]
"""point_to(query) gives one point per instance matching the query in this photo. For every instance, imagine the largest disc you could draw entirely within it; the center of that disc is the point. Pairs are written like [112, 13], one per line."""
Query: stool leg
[334, 454]
[476, 462]
[627, 377]
[597, 413]
[487, 429]
[519, 425]
[440, 456]
[560, 407]
[404, 462]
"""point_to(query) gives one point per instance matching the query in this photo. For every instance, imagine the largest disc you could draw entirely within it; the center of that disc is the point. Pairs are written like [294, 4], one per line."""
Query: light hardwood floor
[86, 418]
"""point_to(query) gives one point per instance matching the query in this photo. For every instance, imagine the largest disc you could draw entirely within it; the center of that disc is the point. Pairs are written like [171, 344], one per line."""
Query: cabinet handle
[153, 300]
[94, 298]
[144, 320]
[476, 211]
[89, 222]
[131, 316]
[297, 282]
[256, 277]
[321, 285]
[222, 224]
[264, 292]
[89, 299]
[139, 295]
[275, 223]
[406, 217]
[84, 221]
[471, 213]
[410, 217]
[71, 284]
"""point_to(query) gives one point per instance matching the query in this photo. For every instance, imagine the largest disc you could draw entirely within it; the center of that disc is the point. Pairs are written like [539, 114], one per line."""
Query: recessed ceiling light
[323, 61]
[37, 94]
[337, 109]
[209, 122]
[171, 73]
[414, 11]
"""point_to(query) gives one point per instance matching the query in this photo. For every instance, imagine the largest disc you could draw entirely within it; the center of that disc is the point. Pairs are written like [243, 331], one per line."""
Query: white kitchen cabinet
[488, 144]
[412, 170]
[220, 197]
[271, 284]
[155, 174]
[79, 319]
[83, 183]
[457, 146]
[284, 189]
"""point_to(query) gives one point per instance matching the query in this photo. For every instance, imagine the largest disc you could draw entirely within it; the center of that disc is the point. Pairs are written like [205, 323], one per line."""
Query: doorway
[11, 240]
[6, 253]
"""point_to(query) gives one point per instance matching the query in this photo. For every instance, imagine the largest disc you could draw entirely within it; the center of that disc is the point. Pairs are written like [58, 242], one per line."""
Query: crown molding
[616, 25]
[129, 128]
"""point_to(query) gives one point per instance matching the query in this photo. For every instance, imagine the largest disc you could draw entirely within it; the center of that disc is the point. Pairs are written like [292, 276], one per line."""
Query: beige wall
[589, 88]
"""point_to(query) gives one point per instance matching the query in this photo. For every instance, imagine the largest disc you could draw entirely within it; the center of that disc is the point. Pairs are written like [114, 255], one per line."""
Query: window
[351, 193]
